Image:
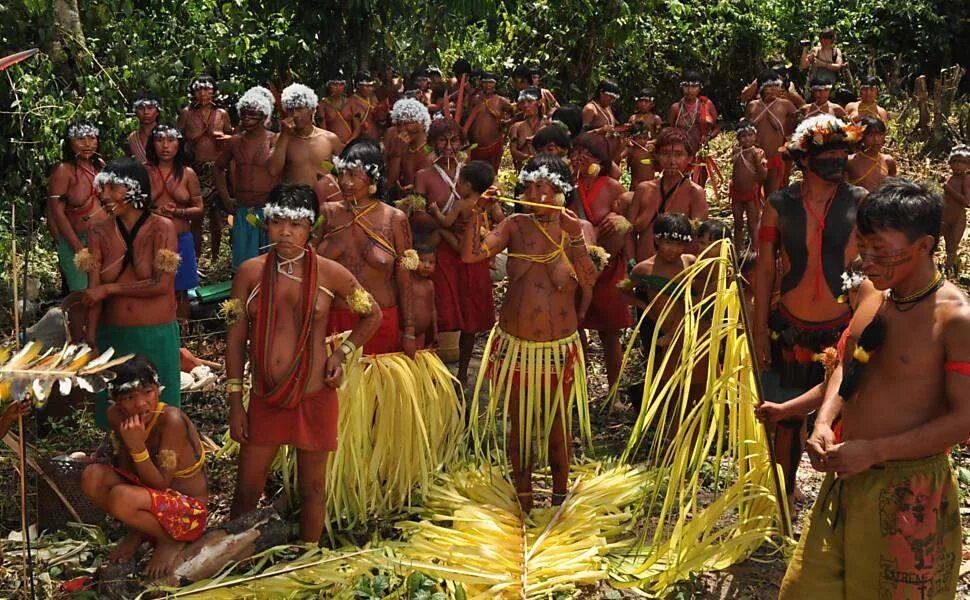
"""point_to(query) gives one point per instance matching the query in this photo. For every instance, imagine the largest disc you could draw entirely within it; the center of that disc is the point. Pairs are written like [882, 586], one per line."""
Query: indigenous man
[775, 118]
[405, 145]
[303, 151]
[204, 125]
[549, 265]
[600, 203]
[335, 112]
[867, 105]
[887, 519]
[788, 91]
[486, 121]
[673, 192]
[522, 132]
[870, 166]
[824, 61]
[283, 304]
[697, 116]
[156, 485]
[644, 127]
[147, 109]
[176, 195]
[547, 102]
[362, 106]
[73, 206]
[131, 261]
[245, 157]
[598, 117]
[810, 225]
[820, 104]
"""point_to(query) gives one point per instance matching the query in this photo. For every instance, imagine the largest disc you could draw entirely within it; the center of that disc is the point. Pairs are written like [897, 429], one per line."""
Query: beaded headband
[543, 173]
[145, 102]
[374, 171]
[163, 131]
[959, 152]
[133, 384]
[527, 95]
[197, 85]
[288, 213]
[674, 236]
[82, 130]
[133, 196]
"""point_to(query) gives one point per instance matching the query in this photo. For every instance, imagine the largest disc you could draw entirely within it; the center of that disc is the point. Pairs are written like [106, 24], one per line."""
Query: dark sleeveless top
[839, 225]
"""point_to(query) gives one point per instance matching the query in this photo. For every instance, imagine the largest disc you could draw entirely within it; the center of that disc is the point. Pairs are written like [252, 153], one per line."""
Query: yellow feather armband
[626, 284]
[410, 260]
[360, 301]
[167, 261]
[829, 359]
[623, 225]
[861, 355]
[85, 261]
[599, 256]
[230, 310]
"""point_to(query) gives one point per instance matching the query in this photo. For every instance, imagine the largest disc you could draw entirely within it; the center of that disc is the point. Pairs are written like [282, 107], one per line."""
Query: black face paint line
[829, 169]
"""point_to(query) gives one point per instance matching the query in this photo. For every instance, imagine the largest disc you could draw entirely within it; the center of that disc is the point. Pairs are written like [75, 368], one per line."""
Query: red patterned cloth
[462, 293]
[609, 311]
[182, 517]
[745, 196]
[386, 340]
[310, 424]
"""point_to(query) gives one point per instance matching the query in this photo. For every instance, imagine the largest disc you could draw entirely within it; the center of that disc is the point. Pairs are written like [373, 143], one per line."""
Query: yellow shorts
[891, 532]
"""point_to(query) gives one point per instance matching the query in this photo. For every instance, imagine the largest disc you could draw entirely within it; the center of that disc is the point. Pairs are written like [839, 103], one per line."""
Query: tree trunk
[67, 31]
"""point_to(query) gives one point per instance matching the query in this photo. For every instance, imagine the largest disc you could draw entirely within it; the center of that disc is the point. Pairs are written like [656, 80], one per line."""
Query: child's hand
[769, 412]
[133, 432]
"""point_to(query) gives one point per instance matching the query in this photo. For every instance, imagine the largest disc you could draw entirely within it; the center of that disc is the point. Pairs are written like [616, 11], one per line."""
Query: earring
[593, 169]
[372, 189]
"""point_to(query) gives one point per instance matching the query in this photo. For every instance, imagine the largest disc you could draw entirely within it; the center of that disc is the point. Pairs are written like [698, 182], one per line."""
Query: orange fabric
[310, 423]
[491, 151]
[386, 340]
[462, 293]
[609, 310]
[745, 196]
[776, 163]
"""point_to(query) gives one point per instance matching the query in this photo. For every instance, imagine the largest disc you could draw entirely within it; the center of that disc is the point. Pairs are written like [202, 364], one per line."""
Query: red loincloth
[182, 517]
[493, 150]
[776, 163]
[609, 311]
[745, 196]
[310, 425]
[462, 293]
[386, 340]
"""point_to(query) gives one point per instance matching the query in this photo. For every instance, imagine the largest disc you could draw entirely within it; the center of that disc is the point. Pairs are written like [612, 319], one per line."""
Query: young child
[463, 291]
[644, 126]
[868, 167]
[956, 200]
[711, 231]
[157, 485]
[422, 293]
[748, 175]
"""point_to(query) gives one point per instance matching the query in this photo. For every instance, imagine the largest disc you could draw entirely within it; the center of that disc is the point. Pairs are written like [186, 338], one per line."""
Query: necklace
[313, 131]
[544, 219]
[915, 298]
[284, 266]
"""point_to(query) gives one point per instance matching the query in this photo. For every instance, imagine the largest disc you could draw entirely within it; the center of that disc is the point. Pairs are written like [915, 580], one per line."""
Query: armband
[410, 259]
[167, 261]
[359, 301]
[231, 310]
[84, 260]
[139, 457]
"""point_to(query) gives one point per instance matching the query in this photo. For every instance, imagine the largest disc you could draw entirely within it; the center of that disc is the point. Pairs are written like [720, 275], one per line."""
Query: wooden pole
[460, 101]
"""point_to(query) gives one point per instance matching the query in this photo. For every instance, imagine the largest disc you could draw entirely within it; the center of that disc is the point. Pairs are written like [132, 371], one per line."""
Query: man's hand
[238, 423]
[333, 371]
[818, 446]
[286, 126]
[769, 412]
[851, 457]
[94, 295]
[133, 433]
[570, 223]
[168, 209]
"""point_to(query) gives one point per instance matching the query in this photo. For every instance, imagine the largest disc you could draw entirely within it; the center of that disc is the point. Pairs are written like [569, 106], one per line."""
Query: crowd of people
[377, 213]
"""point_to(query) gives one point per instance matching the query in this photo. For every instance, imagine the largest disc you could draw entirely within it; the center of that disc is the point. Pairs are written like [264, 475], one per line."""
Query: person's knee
[92, 480]
[121, 500]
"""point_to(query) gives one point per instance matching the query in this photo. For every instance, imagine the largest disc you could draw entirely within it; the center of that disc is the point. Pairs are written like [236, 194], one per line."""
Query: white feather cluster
[133, 195]
[409, 110]
[297, 95]
[340, 165]
[256, 99]
[82, 130]
[275, 211]
[543, 173]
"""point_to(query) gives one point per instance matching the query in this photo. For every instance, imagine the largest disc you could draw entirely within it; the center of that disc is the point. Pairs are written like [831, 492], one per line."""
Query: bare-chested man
[887, 519]
[131, 261]
[487, 122]
[775, 119]
[788, 92]
[303, 152]
[820, 104]
[547, 103]
[363, 105]
[405, 146]
[246, 158]
[204, 125]
[867, 105]
[73, 206]
[522, 132]
[286, 298]
[810, 226]
[870, 165]
[599, 119]
[644, 126]
[335, 112]
[147, 108]
[176, 195]
[672, 192]
[697, 116]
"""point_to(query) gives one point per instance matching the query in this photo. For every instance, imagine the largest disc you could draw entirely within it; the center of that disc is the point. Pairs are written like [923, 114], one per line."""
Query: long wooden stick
[14, 444]
[780, 497]
[461, 98]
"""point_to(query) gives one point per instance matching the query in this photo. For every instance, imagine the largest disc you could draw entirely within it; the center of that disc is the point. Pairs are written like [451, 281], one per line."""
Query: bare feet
[161, 563]
[126, 549]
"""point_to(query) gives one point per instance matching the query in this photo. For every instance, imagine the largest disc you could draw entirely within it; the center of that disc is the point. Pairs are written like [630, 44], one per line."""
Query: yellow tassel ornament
[167, 261]
[360, 301]
[85, 261]
[410, 259]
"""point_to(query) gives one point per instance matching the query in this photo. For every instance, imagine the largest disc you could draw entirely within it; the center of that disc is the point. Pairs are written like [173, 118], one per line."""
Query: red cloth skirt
[776, 163]
[745, 196]
[462, 293]
[609, 310]
[182, 517]
[487, 152]
[310, 425]
[386, 340]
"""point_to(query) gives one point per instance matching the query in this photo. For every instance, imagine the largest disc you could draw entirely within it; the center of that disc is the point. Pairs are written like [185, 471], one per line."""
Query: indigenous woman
[523, 132]
[405, 148]
[281, 304]
[72, 200]
[396, 398]
[176, 195]
[131, 260]
[533, 360]
[147, 109]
